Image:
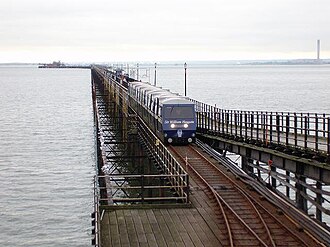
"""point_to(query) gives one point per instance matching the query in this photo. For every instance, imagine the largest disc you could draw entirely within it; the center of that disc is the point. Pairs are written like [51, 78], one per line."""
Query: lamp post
[155, 74]
[185, 79]
[137, 71]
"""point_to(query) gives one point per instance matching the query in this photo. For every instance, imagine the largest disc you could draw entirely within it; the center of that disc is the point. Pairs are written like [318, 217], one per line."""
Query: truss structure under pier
[132, 165]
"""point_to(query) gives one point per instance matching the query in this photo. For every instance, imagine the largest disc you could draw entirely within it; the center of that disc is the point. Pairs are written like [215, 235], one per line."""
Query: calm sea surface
[46, 157]
[47, 145]
[304, 88]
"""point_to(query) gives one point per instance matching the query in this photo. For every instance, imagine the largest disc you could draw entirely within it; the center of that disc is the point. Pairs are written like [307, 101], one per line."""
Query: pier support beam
[287, 187]
[245, 165]
[300, 200]
[319, 201]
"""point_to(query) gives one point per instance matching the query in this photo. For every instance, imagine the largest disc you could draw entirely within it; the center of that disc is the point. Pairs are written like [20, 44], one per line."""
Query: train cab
[178, 121]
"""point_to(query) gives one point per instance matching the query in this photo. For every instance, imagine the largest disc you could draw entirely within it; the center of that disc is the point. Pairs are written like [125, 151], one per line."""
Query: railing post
[324, 124]
[307, 122]
[278, 130]
[231, 122]
[287, 130]
[240, 124]
[227, 122]
[252, 123]
[214, 116]
[219, 122]
[295, 130]
[263, 123]
[306, 132]
[271, 127]
[201, 117]
[328, 144]
[266, 127]
[204, 118]
[223, 121]
[208, 120]
[316, 132]
[257, 134]
[301, 123]
[245, 124]
[235, 120]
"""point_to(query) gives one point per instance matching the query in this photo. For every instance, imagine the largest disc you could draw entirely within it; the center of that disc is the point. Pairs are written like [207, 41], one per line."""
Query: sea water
[46, 157]
[47, 148]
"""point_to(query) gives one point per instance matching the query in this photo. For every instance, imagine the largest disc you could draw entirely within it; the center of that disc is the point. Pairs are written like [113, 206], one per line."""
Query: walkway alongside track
[248, 220]
[222, 213]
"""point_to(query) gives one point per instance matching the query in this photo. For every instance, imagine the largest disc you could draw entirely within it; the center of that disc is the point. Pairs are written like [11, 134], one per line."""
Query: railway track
[244, 219]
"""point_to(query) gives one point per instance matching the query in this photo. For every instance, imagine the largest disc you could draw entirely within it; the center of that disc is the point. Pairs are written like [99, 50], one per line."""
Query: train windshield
[174, 112]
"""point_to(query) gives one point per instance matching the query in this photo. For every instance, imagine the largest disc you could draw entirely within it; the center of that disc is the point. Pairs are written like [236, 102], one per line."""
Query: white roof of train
[181, 101]
[164, 95]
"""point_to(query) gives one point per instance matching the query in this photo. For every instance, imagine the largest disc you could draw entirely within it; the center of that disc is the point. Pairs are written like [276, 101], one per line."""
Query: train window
[173, 112]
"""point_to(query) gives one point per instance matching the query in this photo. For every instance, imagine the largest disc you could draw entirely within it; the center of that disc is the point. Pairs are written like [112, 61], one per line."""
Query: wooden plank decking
[156, 227]
[163, 226]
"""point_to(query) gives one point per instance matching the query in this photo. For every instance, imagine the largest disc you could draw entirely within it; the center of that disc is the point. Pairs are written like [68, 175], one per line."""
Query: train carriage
[178, 120]
[171, 116]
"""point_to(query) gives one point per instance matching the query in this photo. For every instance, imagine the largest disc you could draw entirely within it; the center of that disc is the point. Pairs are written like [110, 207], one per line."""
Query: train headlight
[172, 126]
[185, 126]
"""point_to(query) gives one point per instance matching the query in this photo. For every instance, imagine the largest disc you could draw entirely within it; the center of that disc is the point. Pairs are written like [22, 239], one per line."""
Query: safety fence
[301, 131]
[119, 188]
[165, 161]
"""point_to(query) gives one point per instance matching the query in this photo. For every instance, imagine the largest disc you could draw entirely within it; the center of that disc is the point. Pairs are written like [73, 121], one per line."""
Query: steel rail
[237, 187]
[241, 192]
[230, 236]
[314, 229]
[219, 198]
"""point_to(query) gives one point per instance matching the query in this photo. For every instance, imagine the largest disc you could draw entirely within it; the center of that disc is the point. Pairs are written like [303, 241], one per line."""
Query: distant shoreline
[65, 67]
[86, 65]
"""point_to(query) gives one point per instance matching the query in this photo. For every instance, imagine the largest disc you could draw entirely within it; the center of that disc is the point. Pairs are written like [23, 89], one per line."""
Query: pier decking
[193, 196]
[197, 224]
[157, 227]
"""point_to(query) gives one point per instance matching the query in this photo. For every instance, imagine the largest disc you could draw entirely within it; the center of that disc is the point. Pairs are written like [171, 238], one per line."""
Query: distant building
[52, 65]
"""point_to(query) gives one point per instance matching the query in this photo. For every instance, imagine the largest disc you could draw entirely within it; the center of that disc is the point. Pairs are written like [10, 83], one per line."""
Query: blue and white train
[171, 116]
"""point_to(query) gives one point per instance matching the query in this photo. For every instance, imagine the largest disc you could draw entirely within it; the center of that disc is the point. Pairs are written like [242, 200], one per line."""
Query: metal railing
[301, 131]
[168, 165]
[96, 217]
[123, 189]
[139, 188]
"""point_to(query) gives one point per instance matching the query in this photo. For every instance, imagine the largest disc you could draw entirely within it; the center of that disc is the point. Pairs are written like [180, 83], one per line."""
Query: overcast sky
[162, 30]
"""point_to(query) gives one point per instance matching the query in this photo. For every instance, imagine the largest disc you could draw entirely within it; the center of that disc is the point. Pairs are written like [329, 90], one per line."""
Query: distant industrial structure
[60, 65]
[318, 49]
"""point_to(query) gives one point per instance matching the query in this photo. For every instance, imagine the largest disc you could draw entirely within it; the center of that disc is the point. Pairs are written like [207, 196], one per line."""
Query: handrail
[165, 160]
[96, 217]
[173, 173]
[300, 131]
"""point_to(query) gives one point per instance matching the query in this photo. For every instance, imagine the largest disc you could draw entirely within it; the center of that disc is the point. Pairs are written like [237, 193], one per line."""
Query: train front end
[179, 121]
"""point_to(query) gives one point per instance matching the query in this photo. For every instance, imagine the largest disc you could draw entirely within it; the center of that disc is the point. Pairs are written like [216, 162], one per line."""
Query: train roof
[165, 96]
[174, 101]
[151, 89]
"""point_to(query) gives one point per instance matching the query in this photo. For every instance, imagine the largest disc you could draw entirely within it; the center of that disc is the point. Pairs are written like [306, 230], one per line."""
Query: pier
[147, 193]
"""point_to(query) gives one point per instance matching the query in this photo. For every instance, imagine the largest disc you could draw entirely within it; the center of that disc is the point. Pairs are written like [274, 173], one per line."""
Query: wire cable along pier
[173, 171]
